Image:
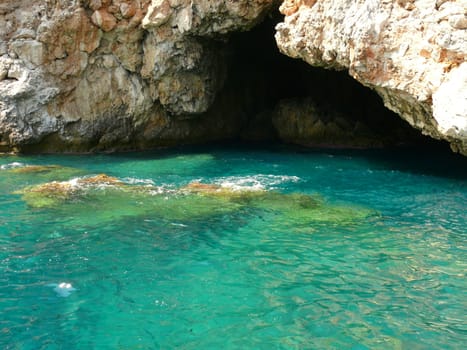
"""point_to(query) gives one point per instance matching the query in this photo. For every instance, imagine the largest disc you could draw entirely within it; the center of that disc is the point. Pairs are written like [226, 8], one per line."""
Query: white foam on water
[258, 182]
[73, 182]
[12, 165]
[136, 181]
[157, 190]
[177, 224]
[63, 289]
[55, 234]
[152, 188]
[160, 303]
[78, 183]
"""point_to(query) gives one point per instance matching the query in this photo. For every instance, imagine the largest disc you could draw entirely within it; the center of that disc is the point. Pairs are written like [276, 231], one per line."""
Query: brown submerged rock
[28, 169]
[97, 180]
[54, 193]
[104, 198]
[245, 195]
[18, 172]
[198, 187]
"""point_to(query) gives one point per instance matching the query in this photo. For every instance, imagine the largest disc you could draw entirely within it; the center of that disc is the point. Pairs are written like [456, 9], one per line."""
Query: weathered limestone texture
[82, 75]
[91, 75]
[412, 52]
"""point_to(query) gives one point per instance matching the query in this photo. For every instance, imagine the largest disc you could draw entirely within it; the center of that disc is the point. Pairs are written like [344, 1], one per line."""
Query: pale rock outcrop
[412, 52]
[82, 75]
[187, 69]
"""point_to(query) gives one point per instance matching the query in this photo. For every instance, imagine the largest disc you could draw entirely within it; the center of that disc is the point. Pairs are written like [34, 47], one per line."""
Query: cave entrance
[284, 99]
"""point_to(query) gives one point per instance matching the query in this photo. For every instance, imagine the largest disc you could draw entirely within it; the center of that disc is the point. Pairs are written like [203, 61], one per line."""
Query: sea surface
[287, 249]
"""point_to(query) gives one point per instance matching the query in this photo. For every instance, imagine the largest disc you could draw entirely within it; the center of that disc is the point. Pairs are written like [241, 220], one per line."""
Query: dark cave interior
[262, 77]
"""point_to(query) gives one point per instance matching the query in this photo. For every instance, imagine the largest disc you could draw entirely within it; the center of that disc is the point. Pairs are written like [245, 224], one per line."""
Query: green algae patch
[298, 209]
[46, 195]
[104, 198]
[20, 172]
[258, 198]
[291, 208]
[275, 201]
[325, 213]
[36, 169]
[226, 194]
[54, 193]
[186, 207]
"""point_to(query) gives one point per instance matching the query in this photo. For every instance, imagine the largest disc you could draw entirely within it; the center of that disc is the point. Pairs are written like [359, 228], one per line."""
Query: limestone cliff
[83, 75]
[412, 52]
[90, 75]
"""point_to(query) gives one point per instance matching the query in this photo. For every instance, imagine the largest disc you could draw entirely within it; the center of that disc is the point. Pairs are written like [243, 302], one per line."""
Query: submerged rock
[99, 180]
[28, 169]
[292, 208]
[54, 193]
[243, 196]
[325, 213]
[103, 198]
[18, 172]
[21, 168]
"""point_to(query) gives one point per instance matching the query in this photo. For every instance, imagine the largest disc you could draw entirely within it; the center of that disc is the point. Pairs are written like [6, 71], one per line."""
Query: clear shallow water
[245, 278]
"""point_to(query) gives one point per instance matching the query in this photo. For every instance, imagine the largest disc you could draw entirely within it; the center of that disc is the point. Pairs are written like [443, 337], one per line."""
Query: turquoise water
[387, 271]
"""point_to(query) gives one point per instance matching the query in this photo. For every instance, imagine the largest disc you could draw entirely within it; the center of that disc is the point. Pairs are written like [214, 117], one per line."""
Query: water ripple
[245, 279]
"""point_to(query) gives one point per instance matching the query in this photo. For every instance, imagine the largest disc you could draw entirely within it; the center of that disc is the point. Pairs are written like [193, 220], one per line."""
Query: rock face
[92, 75]
[411, 52]
[309, 123]
[83, 75]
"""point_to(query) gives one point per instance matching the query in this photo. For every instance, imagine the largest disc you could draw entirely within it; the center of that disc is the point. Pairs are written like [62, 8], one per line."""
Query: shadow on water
[432, 159]
[436, 161]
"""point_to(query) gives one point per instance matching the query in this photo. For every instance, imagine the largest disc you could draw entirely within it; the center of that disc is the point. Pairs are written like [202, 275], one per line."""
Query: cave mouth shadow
[266, 80]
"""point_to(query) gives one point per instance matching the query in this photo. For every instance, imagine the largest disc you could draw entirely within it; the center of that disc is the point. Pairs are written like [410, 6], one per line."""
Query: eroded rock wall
[412, 52]
[82, 75]
[88, 75]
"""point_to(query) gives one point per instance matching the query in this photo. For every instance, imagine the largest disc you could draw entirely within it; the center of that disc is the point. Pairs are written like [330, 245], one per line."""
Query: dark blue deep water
[294, 250]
